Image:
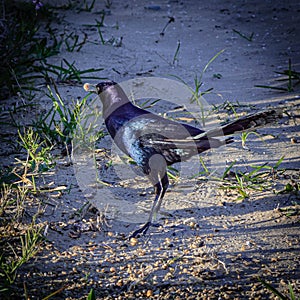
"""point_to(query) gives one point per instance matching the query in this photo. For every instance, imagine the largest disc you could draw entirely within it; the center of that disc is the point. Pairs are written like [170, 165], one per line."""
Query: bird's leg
[160, 189]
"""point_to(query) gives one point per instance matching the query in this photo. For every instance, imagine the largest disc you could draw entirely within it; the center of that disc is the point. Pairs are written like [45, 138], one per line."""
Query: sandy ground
[210, 246]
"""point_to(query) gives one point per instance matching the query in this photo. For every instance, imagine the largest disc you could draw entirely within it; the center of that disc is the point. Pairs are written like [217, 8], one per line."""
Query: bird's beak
[90, 88]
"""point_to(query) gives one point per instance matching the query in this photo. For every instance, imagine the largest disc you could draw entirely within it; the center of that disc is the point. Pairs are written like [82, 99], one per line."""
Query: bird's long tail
[245, 123]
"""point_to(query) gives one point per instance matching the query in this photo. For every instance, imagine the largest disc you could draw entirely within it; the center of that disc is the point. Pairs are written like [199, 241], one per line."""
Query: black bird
[154, 142]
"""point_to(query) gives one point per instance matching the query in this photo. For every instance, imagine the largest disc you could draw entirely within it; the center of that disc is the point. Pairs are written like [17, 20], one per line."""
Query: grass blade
[228, 169]
[273, 290]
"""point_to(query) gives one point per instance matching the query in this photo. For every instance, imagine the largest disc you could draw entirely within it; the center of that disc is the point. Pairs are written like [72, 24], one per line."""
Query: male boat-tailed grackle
[154, 142]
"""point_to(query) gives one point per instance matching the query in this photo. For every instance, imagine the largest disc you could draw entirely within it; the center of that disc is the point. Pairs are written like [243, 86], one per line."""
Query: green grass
[24, 53]
[39, 153]
[20, 188]
[88, 128]
[59, 124]
[72, 42]
[231, 106]
[197, 92]
[258, 178]
[244, 136]
[249, 38]
[277, 293]
[20, 241]
[21, 47]
[227, 106]
[88, 6]
[91, 295]
[11, 260]
[19, 185]
[244, 183]
[67, 72]
[147, 103]
[175, 57]
[291, 78]
[99, 25]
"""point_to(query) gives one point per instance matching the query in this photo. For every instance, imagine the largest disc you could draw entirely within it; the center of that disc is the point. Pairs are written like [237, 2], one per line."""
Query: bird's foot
[143, 229]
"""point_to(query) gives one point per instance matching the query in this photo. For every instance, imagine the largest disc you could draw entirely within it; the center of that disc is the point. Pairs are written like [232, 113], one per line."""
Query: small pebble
[133, 241]
[149, 293]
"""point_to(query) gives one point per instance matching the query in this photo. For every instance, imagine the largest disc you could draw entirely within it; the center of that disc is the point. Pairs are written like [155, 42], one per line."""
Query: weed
[292, 210]
[66, 72]
[21, 48]
[38, 151]
[175, 58]
[72, 42]
[242, 182]
[64, 123]
[59, 124]
[87, 133]
[148, 103]
[291, 187]
[244, 136]
[291, 77]
[88, 7]
[197, 93]
[236, 182]
[231, 107]
[11, 203]
[24, 184]
[248, 38]
[171, 20]
[203, 175]
[276, 291]
[20, 242]
[116, 42]
[24, 54]
[87, 130]
[206, 171]
[108, 3]
[228, 106]
[11, 260]
[173, 173]
[99, 24]
[91, 295]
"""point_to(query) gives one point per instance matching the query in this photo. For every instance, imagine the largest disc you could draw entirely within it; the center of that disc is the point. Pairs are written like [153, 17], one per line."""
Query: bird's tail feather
[245, 123]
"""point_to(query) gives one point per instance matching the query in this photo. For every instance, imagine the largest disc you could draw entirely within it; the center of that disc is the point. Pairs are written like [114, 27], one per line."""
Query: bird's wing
[171, 139]
[176, 150]
[168, 128]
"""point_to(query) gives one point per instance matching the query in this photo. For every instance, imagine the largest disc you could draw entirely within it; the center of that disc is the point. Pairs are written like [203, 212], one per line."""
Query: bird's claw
[142, 230]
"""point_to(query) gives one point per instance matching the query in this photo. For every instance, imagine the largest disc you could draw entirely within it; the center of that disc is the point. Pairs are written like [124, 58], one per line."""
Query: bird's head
[111, 95]
[99, 88]
[102, 86]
